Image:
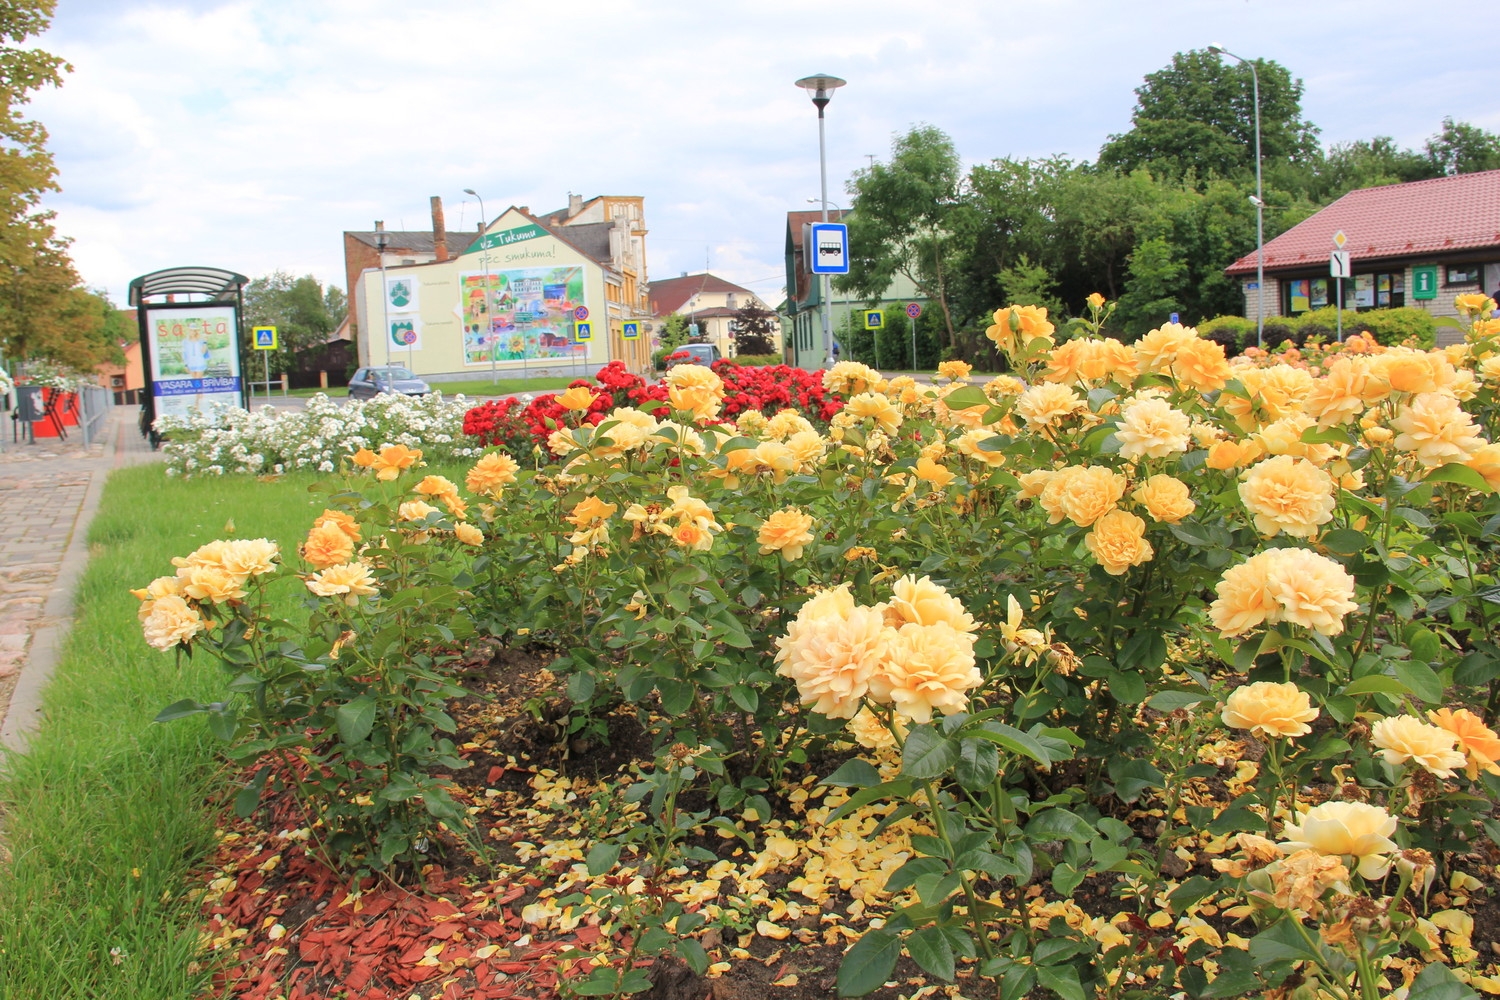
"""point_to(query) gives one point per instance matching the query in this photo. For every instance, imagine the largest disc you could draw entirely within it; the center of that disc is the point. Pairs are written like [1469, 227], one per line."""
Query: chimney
[575, 204]
[439, 231]
[379, 226]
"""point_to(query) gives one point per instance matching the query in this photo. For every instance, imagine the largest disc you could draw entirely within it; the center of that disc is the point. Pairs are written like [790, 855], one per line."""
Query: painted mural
[523, 313]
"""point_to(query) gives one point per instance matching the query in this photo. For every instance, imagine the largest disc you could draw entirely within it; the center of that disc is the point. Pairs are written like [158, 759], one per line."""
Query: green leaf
[1062, 980]
[1437, 982]
[1283, 941]
[1133, 776]
[691, 951]
[869, 963]
[1059, 824]
[978, 763]
[853, 773]
[181, 710]
[602, 858]
[1236, 976]
[1375, 684]
[913, 869]
[929, 948]
[1015, 741]
[356, 719]
[1171, 701]
[966, 396]
[927, 754]
[1455, 472]
[1345, 541]
[1194, 890]
[1421, 679]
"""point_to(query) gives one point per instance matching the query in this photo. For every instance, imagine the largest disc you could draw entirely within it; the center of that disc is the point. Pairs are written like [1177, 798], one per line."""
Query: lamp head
[471, 191]
[820, 88]
[1257, 202]
[1216, 48]
[381, 241]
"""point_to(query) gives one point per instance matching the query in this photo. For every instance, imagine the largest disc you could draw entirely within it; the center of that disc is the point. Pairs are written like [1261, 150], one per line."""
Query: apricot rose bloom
[1201, 365]
[694, 388]
[1403, 738]
[1474, 304]
[1269, 708]
[849, 378]
[830, 651]
[922, 602]
[171, 622]
[1048, 404]
[1151, 428]
[1118, 542]
[1286, 494]
[327, 544]
[1165, 498]
[492, 473]
[928, 667]
[971, 446]
[1017, 326]
[1087, 493]
[1354, 830]
[211, 583]
[468, 534]
[349, 581]
[394, 460]
[415, 510]
[1434, 428]
[1478, 742]
[343, 521]
[786, 532]
[876, 407]
[1295, 585]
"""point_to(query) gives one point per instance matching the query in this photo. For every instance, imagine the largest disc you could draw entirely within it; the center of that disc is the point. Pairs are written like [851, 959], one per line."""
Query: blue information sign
[828, 248]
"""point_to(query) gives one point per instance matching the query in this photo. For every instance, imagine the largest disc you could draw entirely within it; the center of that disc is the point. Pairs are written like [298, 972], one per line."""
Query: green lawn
[468, 387]
[108, 815]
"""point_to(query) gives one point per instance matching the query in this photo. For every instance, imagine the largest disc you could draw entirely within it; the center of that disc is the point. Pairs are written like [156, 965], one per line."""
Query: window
[1463, 274]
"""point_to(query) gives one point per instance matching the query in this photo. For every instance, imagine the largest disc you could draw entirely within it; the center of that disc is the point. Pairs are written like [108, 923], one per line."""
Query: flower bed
[1139, 672]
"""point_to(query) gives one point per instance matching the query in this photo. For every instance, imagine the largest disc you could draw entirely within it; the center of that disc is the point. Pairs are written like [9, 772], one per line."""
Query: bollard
[283, 383]
[322, 380]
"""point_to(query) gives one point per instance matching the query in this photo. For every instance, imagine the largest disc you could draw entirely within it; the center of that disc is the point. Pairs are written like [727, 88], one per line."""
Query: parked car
[698, 354]
[367, 382]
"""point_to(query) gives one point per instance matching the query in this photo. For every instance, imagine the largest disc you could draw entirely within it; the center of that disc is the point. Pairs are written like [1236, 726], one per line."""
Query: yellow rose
[1288, 494]
[327, 544]
[1294, 585]
[1151, 428]
[1474, 304]
[591, 509]
[351, 581]
[1267, 709]
[492, 473]
[1403, 738]
[1200, 364]
[1226, 455]
[1486, 461]
[172, 622]
[1157, 350]
[873, 406]
[394, 460]
[211, 583]
[694, 388]
[578, 398]
[939, 476]
[626, 429]
[1339, 396]
[1345, 829]
[848, 378]
[830, 651]
[1166, 499]
[435, 486]
[1244, 600]
[365, 458]
[248, 557]
[970, 445]
[1048, 404]
[343, 521]
[1090, 492]
[1095, 300]
[786, 424]
[1017, 326]
[954, 371]
[468, 534]
[787, 532]
[415, 510]
[1118, 542]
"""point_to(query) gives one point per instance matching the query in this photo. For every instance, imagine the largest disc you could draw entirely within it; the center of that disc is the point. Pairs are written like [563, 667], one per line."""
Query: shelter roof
[212, 282]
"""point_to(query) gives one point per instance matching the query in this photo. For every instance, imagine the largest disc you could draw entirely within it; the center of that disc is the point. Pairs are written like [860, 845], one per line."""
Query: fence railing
[94, 404]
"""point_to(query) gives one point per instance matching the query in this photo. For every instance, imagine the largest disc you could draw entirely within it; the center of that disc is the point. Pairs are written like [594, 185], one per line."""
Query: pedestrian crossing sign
[630, 329]
[874, 319]
[583, 331]
[265, 338]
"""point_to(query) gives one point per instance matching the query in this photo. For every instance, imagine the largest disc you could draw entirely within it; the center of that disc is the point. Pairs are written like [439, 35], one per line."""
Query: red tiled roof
[668, 295]
[1417, 219]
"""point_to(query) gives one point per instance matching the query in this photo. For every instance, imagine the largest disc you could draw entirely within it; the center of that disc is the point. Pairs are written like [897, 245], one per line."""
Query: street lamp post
[381, 242]
[820, 88]
[484, 259]
[1258, 201]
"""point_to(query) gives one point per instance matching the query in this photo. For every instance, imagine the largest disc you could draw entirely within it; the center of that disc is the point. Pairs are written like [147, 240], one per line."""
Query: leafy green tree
[903, 221]
[297, 307]
[1196, 118]
[1028, 284]
[1461, 148]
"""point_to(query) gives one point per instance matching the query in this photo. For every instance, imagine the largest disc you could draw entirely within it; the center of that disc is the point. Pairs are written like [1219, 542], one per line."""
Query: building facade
[708, 301]
[562, 292]
[1419, 244]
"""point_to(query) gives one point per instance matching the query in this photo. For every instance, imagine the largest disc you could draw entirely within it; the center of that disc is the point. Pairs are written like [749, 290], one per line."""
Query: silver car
[367, 382]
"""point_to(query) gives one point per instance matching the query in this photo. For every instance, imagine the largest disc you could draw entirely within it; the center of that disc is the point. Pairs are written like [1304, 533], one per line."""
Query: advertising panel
[194, 358]
[523, 313]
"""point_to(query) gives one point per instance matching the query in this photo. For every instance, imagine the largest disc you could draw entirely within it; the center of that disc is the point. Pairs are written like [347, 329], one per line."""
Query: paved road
[48, 494]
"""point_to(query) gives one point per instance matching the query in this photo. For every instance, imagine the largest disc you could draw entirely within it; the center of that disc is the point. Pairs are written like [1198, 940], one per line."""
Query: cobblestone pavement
[48, 493]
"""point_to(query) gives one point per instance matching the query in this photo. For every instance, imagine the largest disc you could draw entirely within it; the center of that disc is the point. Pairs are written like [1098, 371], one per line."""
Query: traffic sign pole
[1339, 239]
[913, 310]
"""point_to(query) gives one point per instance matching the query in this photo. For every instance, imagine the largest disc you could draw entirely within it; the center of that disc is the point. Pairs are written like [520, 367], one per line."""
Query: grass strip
[106, 816]
[478, 387]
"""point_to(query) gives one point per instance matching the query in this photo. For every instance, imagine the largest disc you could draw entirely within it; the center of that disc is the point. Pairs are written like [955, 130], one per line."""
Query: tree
[297, 307]
[903, 219]
[1461, 148]
[755, 329]
[1196, 117]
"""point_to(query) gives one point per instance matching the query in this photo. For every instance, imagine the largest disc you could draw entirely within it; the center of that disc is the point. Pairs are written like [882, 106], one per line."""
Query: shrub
[1232, 333]
[757, 360]
[1396, 326]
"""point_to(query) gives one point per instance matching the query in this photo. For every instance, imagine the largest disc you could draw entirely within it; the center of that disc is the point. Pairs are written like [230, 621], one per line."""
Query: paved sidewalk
[48, 494]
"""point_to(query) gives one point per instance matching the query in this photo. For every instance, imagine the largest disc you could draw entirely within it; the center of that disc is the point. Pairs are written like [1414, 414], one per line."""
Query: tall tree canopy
[903, 220]
[299, 308]
[1197, 116]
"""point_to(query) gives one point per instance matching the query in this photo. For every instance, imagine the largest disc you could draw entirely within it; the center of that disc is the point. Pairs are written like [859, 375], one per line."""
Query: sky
[249, 134]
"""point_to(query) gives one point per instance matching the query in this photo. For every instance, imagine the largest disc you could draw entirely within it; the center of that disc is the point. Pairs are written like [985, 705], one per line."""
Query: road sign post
[1338, 266]
[913, 310]
[265, 340]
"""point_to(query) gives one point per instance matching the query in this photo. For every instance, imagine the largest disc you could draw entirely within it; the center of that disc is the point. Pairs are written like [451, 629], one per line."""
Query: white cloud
[250, 134]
